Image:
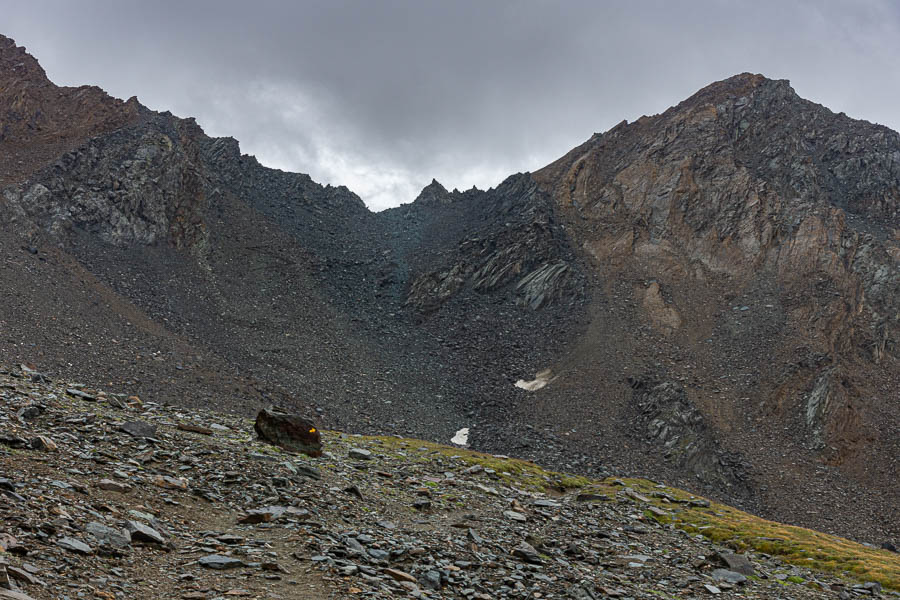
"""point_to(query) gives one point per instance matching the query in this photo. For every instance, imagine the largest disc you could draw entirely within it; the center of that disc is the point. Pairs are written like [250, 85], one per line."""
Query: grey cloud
[383, 96]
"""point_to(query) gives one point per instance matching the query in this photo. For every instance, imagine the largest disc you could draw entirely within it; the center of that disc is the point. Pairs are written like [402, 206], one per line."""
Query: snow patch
[540, 380]
[461, 438]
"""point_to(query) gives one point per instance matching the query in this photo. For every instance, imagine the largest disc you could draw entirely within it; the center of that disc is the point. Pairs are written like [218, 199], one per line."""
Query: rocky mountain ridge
[759, 202]
[711, 293]
[48, 118]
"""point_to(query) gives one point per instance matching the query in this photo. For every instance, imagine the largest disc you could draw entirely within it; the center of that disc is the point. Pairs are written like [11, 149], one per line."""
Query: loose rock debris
[202, 510]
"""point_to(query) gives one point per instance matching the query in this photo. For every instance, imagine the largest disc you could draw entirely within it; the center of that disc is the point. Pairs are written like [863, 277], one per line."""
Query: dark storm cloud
[382, 96]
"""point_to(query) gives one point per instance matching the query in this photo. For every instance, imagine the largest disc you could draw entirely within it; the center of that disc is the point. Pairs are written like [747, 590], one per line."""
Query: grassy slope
[720, 523]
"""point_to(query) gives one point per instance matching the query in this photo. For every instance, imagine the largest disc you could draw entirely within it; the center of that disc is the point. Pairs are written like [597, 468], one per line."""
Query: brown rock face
[758, 232]
[39, 120]
[291, 432]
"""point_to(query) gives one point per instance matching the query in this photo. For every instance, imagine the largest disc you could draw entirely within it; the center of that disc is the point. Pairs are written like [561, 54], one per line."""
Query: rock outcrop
[682, 436]
[291, 432]
[518, 247]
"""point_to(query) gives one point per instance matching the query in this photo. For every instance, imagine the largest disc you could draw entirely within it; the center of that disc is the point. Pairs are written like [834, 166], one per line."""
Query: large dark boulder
[291, 432]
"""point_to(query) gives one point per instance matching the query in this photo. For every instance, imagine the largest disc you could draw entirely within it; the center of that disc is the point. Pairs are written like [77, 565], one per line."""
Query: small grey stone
[113, 486]
[473, 537]
[544, 503]
[73, 545]
[307, 471]
[354, 546]
[431, 580]
[44, 443]
[108, 536]
[641, 558]
[139, 429]
[142, 533]
[378, 554]
[728, 576]
[738, 563]
[591, 497]
[526, 552]
[353, 491]
[872, 586]
[360, 454]
[29, 412]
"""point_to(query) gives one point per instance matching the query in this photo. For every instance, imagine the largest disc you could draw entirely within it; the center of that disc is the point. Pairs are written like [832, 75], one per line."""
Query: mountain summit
[709, 295]
[39, 121]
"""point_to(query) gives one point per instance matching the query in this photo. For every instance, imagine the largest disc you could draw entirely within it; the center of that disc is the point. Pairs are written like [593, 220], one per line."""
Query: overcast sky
[382, 96]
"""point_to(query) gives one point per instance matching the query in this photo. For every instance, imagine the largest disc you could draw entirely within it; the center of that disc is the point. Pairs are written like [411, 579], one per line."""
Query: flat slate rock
[113, 486]
[194, 428]
[217, 561]
[307, 471]
[263, 515]
[727, 576]
[22, 575]
[526, 552]
[400, 575]
[108, 536]
[142, 533]
[360, 454]
[73, 545]
[515, 516]
[139, 429]
[738, 563]
[82, 395]
[544, 503]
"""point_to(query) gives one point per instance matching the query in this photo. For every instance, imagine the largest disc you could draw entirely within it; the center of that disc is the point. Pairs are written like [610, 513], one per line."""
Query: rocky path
[103, 496]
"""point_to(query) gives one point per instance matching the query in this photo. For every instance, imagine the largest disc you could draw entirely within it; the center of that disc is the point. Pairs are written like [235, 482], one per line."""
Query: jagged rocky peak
[434, 193]
[82, 161]
[770, 224]
[17, 64]
[743, 85]
[40, 121]
[25, 92]
[754, 128]
[719, 99]
[810, 153]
